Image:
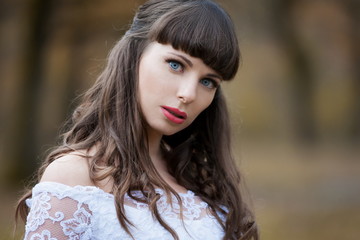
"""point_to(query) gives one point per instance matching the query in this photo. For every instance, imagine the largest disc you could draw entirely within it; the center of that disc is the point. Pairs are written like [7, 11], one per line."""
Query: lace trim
[40, 212]
[77, 227]
[193, 207]
[91, 211]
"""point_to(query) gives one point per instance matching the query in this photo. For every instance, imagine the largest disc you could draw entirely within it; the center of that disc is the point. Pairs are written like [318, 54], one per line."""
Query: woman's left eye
[209, 83]
[176, 66]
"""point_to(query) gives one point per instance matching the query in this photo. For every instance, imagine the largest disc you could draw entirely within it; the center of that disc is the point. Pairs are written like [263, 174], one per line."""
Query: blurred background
[295, 103]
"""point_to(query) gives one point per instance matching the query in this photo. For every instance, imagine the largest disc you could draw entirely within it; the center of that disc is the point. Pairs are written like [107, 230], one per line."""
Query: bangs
[203, 30]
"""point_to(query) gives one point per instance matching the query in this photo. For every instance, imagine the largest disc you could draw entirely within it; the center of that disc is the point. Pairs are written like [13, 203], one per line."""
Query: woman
[147, 154]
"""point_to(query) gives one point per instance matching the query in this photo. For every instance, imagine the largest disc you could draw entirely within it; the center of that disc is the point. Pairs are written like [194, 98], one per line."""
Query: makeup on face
[174, 88]
[174, 114]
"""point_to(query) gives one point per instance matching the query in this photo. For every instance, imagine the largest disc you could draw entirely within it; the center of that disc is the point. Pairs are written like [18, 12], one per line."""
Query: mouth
[174, 114]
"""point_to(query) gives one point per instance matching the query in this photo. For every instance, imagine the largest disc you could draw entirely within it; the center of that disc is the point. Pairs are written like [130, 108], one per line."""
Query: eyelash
[169, 61]
[214, 83]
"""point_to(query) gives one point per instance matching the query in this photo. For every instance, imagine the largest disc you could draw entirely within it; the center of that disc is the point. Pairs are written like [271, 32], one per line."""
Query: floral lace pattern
[77, 227]
[45, 235]
[60, 212]
[40, 213]
[193, 206]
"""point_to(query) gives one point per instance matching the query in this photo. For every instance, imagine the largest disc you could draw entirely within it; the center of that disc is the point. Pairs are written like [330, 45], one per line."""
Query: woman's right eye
[175, 65]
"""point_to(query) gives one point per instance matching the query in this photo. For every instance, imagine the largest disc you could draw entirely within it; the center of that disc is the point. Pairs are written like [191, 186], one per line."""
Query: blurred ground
[309, 193]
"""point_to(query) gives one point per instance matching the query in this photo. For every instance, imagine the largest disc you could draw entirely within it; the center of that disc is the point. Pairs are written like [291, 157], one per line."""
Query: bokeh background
[295, 102]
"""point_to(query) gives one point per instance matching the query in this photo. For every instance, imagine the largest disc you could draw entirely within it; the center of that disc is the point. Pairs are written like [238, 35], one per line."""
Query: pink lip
[174, 114]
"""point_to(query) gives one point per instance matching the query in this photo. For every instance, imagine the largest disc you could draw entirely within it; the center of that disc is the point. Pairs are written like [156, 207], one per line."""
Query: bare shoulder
[71, 169]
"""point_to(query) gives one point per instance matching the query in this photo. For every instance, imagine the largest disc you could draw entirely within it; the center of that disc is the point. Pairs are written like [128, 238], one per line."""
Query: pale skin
[167, 77]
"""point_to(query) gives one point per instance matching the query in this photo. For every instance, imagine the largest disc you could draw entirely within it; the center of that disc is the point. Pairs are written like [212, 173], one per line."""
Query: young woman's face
[174, 88]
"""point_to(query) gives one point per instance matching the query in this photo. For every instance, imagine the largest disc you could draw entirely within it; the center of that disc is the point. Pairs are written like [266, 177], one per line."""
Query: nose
[187, 91]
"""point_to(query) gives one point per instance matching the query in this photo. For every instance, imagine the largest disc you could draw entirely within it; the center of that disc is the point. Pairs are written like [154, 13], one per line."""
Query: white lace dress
[60, 212]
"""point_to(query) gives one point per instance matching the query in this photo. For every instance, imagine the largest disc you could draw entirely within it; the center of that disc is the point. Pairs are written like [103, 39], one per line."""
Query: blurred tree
[302, 78]
[353, 7]
[61, 41]
[323, 56]
[21, 132]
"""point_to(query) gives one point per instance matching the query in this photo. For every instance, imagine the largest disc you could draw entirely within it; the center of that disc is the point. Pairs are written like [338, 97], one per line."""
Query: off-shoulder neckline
[88, 188]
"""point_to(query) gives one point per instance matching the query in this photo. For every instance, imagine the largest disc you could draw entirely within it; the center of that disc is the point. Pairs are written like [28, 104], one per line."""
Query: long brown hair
[199, 157]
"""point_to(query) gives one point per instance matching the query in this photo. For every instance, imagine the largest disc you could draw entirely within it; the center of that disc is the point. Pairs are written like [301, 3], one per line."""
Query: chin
[167, 129]
[171, 131]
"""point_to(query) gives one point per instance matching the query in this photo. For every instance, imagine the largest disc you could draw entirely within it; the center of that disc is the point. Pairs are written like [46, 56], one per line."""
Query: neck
[154, 140]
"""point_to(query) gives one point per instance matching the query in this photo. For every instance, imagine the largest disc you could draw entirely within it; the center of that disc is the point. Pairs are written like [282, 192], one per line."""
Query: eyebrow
[214, 76]
[183, 58]
[191, 64]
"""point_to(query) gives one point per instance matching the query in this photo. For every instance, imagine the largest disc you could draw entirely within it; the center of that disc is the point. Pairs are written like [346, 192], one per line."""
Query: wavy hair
[199, 157]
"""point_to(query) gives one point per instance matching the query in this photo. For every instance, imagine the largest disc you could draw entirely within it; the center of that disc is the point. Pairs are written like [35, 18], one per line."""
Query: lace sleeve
[57, 218]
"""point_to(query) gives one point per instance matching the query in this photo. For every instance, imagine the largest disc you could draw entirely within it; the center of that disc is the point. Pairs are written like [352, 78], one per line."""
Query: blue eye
[208, 83]
[176, 66]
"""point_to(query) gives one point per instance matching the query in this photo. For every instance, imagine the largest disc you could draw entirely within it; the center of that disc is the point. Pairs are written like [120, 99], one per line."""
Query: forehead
[158, 50]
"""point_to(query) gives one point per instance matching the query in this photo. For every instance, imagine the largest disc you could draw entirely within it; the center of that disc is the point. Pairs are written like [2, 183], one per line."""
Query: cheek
[208, 99]
[147, 84]
[152, 82]
[203, 103]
